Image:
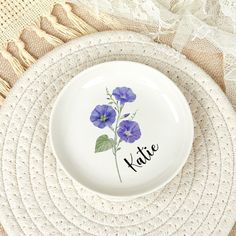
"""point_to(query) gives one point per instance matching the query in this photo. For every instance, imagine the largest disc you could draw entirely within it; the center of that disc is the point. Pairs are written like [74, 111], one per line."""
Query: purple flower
[102, 116]
[123, 94]
[129, 131]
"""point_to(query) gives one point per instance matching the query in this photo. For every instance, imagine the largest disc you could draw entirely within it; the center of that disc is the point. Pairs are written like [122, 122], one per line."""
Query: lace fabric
[228, 8]
[214, 20]
[203, 30]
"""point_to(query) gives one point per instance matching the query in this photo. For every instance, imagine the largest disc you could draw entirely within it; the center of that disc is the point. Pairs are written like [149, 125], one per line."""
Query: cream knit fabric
[16, 15]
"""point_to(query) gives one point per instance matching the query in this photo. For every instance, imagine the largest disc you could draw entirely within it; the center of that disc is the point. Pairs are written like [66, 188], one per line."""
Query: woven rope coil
[37, 197]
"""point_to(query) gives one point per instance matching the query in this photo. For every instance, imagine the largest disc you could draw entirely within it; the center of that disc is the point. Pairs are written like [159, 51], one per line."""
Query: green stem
[118, 143]
[117, 122]
[119, 109]
[111, 128]
[117, 167]
[112, 99]
[115, 139]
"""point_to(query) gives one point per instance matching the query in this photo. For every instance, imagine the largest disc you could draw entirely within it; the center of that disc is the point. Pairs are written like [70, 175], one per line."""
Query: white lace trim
[213, 20]
[228, 8]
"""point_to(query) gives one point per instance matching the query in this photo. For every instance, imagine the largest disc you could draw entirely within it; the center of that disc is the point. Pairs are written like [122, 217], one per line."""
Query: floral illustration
[129, 131]
[122, 126]
[103, 116]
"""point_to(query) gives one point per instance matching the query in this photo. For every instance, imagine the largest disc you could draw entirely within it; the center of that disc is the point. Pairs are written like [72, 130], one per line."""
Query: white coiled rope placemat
[38, 198]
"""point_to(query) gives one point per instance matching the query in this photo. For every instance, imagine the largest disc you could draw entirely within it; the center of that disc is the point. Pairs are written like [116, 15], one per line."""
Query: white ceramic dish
[121, 129]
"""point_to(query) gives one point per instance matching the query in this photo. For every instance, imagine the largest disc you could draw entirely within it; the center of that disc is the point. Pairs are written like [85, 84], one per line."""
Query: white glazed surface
[163, 115]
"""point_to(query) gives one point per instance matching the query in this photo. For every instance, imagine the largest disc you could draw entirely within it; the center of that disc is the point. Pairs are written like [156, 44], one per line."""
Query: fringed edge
[76, 21]
[4, 87]
[48, 37]
[15, 64]
[62, 29]
[25, 59]
[24, 55]
[4, 90]
[111, 22]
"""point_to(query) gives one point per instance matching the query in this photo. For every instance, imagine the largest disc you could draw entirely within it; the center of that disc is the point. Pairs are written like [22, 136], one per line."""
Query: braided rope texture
[38, 198]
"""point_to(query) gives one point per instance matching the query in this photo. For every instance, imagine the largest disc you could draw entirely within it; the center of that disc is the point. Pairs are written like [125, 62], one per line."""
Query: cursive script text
[144, 155]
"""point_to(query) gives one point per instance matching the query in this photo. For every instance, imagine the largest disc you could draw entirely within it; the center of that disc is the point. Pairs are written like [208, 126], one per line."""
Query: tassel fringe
[48, 37]
[4, 88]
[80, 25]
[15, 64]
[111, 22]
[25, 56]
[62, 29]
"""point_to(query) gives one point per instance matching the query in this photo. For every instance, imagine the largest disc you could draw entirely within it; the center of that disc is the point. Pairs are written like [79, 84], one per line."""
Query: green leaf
[103, 143]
